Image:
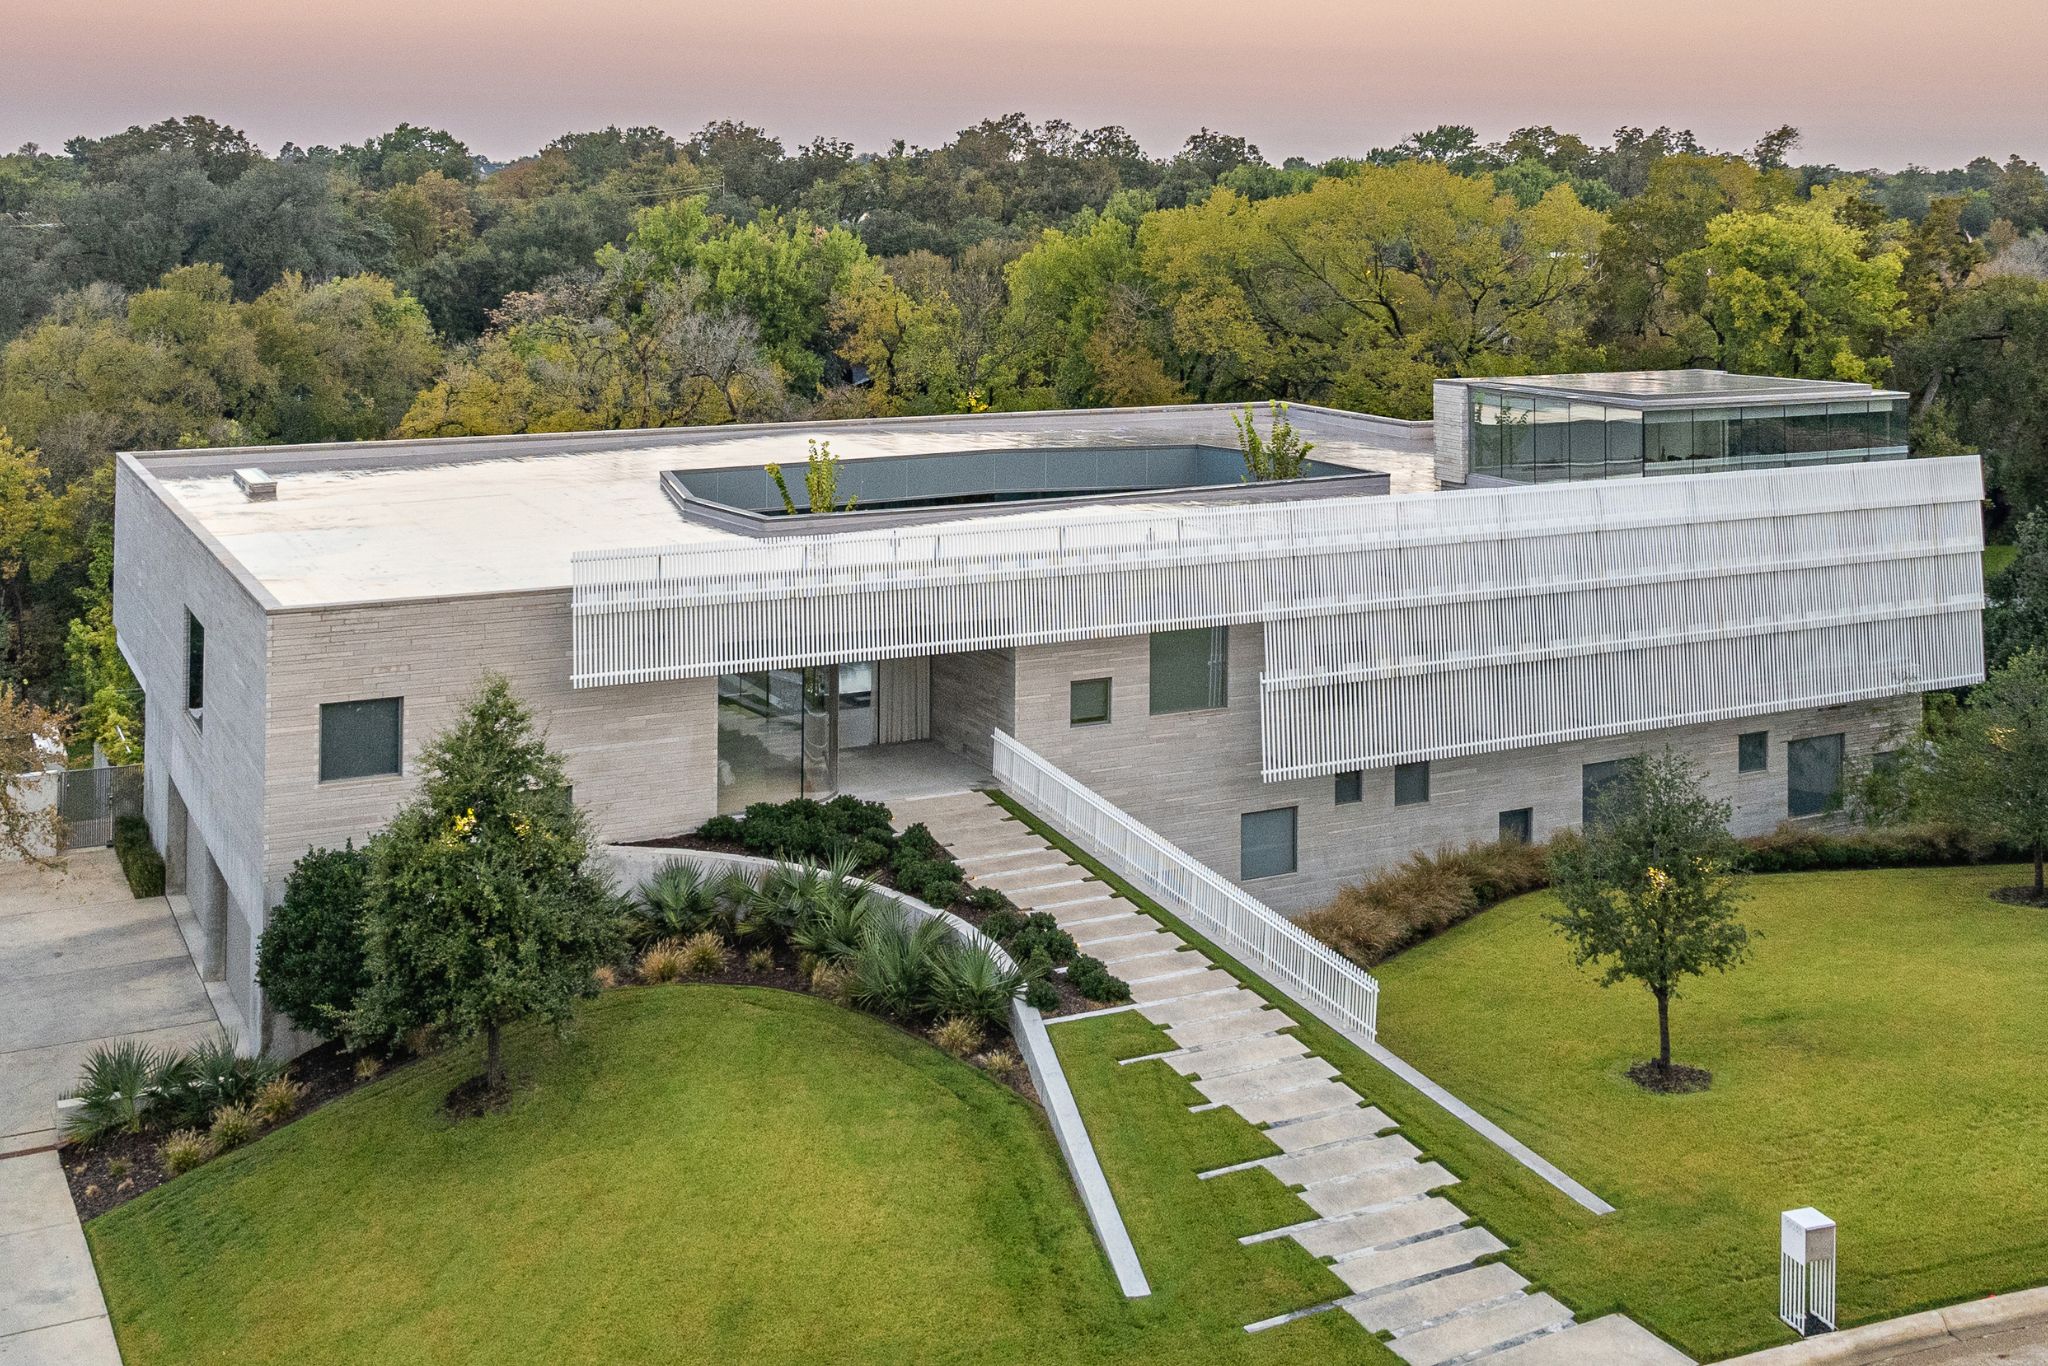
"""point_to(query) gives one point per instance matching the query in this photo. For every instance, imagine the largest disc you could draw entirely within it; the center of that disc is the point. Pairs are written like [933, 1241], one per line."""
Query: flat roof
[399, 520]
[1685, 388]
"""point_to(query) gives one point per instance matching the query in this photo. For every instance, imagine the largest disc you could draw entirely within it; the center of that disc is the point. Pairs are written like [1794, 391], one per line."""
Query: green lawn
[1997, 557]
[708, 1174]
[1882, 1057]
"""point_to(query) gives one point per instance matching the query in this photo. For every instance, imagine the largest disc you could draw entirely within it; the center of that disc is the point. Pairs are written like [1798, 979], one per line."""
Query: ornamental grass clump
[278, 1100]
[663, 962]
[1000, 1063]
[184, 1150]
[704, 955]
[233, 1125]
[957, 1035]
[761, 960]
[1424, 895]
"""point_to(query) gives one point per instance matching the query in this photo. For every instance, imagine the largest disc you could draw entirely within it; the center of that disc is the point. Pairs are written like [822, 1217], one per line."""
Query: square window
[1350, 788]
[1753, 751]
[362, 739]
[1088, 702]
[1813, 775]
[1190, 669]
[1411, 783]
[1595, 781]
[195, 664]
[1517, 826]
[1265, 843]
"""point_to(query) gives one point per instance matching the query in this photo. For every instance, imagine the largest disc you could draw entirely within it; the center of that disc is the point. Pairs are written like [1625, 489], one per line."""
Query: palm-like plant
[681, 899]
[968, 981]
[893, 967]
[116, 1092]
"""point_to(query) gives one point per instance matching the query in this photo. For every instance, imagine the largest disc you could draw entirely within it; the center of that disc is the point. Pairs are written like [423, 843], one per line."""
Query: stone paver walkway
[1373, 1207]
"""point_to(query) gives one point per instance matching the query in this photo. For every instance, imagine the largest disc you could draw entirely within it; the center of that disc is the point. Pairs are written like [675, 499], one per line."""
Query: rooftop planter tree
[1279, 454]
[1649, 893]
[480, 907]
[821, 482]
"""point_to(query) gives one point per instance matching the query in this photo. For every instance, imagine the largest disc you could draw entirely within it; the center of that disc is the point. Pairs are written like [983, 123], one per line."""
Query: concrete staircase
[1410, 1259]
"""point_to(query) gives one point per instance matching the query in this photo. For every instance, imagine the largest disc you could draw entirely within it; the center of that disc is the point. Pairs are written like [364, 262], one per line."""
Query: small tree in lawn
[1985, 766]
[480, 907]
[1649, 889]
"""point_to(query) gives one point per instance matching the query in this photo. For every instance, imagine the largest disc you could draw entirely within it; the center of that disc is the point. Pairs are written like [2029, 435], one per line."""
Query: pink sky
[1877, 82]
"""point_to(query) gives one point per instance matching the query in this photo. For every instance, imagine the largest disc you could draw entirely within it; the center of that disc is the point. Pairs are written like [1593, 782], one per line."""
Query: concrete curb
[635, 863]
[1892, 1339]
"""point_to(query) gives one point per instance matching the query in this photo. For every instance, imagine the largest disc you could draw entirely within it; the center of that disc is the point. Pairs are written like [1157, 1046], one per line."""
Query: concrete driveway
[81, 962]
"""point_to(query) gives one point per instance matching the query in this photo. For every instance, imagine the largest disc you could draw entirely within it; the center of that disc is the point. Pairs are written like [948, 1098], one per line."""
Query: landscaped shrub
[1424, 895]
[832, 925]
[1040, 936]
[808, 829]
[681, 899]
[211, 1077]
[1002, 1064]
[989, 901]
[789, 895]
[1001, 925]
[894, 965]
[704, 955]
[662, 962]
[116, 1091]
[278, 1100]
[310, 959]
[969, 982]
[761, 960]
[1794, 849]
[184, 1150]
[140, 862]
[233, 1125]
[957, 1035]
[1042, 995]
[921, 869]
[1093, 979]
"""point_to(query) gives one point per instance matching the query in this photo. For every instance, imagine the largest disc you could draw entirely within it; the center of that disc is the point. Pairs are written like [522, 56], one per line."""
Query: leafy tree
[223, 153]
[1649, 891]
[310, 961]
[482, 905]
[35, 542]
[1979, 369]
[1793, 291]
[111, 714]
[31, 739]
[1277, 455]
[1985, 767]
[2016, 617]
[407, 153]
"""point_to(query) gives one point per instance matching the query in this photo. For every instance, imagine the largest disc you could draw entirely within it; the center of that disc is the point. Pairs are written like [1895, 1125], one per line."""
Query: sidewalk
[2001, 1328]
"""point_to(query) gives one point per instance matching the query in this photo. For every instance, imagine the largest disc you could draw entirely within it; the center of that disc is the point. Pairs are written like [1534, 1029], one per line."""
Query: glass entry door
[780, 731]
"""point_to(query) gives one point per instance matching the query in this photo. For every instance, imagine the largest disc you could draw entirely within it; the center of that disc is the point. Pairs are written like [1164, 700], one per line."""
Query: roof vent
[255, 485]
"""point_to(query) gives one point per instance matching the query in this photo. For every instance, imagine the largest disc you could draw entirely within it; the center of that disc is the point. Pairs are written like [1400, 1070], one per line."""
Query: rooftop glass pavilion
[1543, 428]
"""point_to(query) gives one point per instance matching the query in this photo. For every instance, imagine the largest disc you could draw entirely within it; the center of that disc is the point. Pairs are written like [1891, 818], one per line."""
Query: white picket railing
[1335, 989]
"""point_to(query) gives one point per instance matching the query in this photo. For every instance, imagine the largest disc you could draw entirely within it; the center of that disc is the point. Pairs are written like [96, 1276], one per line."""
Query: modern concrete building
[1444, 631]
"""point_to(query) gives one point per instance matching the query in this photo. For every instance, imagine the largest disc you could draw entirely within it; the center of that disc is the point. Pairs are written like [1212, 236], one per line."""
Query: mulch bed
[116, 1169]
[1679, 1080]
[2020, 896]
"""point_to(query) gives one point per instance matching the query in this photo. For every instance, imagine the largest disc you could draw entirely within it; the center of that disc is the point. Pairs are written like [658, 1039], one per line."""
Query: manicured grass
[1881, 1057]
[1997, 557]
[706, 1174]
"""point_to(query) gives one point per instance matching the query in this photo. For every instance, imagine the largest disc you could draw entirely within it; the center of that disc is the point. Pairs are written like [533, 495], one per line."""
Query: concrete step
[1054, 899]
[1156, 966]
[1220, 1060]
[1116, 952]
[1373, 1189]
[1612, 1341]
[1314, 1133]
[1114, 927]
[1348, 1158]
[1418, 1306]
[1270, 1080]
[1207, 1006]
[1378, 1268]
[1296, 1104]
[1354, 1234]
[1470, 1334]
[1088, 910]
[1161, 989]
[1038, 882]
[1250, 1019]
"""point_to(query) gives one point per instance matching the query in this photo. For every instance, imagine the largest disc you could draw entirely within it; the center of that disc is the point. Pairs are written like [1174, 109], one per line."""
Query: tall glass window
[195, 664]
[1190, 669]
[760, 737]
[1813, 774]
[1596, 781]
[1411, 783]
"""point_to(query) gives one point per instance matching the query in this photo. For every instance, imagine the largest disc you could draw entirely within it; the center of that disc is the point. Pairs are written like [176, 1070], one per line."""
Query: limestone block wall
[1191, 775]
[974, 694]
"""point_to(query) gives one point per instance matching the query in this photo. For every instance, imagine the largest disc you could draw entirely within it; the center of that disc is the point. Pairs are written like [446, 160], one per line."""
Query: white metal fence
[1338, 991]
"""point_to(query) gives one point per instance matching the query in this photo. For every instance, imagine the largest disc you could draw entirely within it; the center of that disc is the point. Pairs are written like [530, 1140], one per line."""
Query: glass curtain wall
[780, 732]
[1536, 439]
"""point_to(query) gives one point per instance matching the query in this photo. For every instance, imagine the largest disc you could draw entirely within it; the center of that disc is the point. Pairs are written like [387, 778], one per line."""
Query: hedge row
[141, 862]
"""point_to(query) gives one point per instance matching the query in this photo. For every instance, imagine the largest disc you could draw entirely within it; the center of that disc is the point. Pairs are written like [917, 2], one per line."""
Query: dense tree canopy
[174, 284]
